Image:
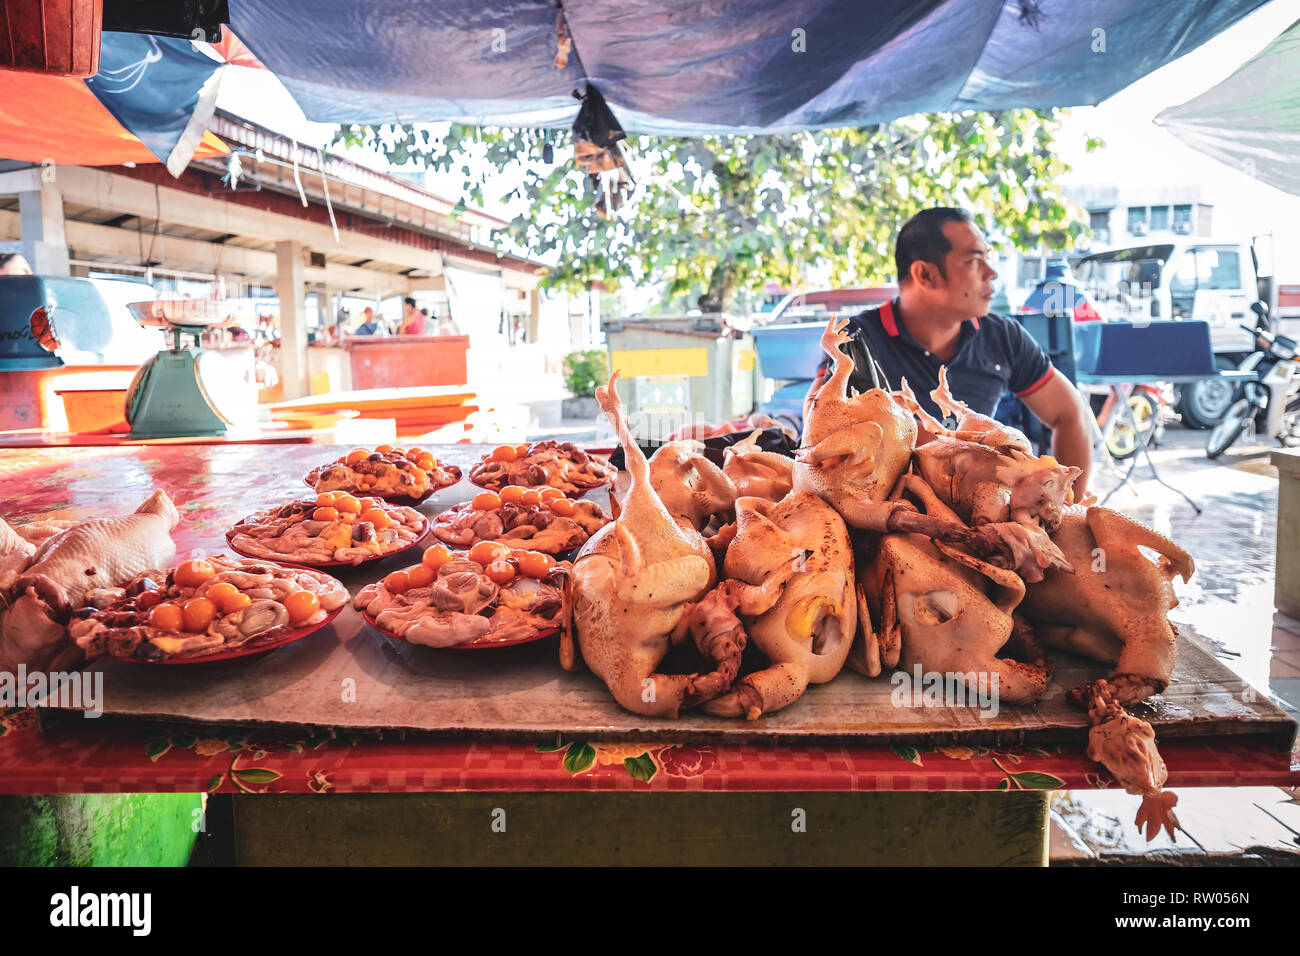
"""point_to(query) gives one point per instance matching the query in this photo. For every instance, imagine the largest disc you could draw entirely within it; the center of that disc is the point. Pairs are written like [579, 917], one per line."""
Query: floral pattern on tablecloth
[244, 748]
[640, 761]
[1021, 778]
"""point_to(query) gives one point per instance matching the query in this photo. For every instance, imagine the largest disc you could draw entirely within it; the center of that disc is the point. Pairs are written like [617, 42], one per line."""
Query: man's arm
[1058, 406]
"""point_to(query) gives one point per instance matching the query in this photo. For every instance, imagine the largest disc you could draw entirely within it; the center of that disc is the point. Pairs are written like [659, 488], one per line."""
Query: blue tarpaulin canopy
[675, 67]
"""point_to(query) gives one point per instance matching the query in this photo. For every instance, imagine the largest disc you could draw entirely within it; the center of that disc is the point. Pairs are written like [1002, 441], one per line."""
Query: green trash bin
[681, 370]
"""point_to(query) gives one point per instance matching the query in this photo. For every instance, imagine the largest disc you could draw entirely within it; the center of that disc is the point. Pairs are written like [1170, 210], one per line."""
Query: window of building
[1137, 218]
[1029, 272]
[1182, 214]
[1159, 217]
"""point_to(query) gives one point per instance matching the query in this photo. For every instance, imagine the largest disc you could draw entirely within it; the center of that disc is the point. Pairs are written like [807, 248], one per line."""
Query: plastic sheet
[1251, 120]
[683, 67]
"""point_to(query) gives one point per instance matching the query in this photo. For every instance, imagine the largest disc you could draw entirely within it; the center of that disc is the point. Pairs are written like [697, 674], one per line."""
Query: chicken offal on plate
[386, 472]
[537, 519]
[489, 594]
[328, 528]
[202, 607]
[561, 465]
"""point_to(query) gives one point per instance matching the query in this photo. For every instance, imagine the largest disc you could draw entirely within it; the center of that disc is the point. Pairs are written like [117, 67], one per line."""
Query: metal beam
[100, 189]
[90, 240]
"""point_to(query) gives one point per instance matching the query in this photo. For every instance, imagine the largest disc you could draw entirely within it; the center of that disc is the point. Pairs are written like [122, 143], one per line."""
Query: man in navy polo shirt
[940, 317]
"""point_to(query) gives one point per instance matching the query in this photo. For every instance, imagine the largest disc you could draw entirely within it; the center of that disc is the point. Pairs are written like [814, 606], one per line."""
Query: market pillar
[292, 291]
[40, 211]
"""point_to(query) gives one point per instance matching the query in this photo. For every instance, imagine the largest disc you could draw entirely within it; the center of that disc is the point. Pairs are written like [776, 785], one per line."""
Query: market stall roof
[150, 102]
[1251, 120]
[677, 67]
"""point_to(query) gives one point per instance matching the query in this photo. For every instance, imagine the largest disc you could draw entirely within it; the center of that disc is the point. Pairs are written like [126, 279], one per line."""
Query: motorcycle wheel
[1203, 402]
[1229, 428]
[1123, 441]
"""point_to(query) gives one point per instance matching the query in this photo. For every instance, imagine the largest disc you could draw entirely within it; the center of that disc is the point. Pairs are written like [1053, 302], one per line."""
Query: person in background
[446, 326]
[369, 324]
[412, 319]
[13, 264]
[940, 318]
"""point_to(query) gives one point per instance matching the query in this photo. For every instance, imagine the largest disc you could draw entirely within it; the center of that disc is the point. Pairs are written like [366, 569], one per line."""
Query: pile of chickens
[889, 540]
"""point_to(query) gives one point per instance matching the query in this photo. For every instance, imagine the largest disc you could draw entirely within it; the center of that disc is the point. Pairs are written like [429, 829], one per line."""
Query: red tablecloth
[213, 486]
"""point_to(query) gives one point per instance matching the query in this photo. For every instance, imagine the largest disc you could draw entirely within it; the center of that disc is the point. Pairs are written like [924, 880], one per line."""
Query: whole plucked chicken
[942, 609]
[631, 592]
[99, 553]
[1114, 607]
[692, 488]
[790, 568]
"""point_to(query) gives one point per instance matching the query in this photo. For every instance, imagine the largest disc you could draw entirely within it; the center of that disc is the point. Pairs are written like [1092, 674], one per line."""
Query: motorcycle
[1274, 392]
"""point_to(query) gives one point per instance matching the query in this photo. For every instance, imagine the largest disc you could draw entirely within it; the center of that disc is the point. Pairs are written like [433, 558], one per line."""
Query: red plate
[257, 645]
[424, 531]
[400, 499]
[482, 643]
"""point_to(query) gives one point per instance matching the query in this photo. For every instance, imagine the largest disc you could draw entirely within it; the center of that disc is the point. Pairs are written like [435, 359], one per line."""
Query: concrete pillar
[45, 246]
[534, 315]
[292, 291]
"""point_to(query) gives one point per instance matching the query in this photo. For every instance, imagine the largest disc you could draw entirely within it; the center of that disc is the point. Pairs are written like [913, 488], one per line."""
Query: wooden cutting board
[349, 676]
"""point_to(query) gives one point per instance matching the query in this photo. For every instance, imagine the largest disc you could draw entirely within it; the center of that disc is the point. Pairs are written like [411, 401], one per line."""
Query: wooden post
[1286, 583]
[290, 289]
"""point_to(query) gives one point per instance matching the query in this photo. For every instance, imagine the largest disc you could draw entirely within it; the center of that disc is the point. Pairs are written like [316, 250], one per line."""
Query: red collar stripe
[1047, 377]
[975, 322]
[887, 319]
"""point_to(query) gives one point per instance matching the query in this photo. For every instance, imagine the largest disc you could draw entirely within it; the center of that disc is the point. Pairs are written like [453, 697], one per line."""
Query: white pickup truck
[1187, 278]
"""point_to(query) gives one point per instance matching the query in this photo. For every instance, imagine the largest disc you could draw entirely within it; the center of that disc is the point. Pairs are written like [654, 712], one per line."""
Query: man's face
[969, 283]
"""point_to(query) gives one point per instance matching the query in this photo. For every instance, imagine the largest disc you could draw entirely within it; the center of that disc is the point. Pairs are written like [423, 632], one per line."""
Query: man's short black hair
[409, 301]
[922, 240]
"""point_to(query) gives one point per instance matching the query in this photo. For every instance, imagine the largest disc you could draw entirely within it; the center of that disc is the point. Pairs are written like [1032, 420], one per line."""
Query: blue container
[74, 309]
[1151, 351]
[790, 352]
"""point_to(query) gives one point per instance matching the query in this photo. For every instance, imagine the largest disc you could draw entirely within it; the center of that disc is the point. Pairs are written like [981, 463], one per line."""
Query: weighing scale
[187, 391]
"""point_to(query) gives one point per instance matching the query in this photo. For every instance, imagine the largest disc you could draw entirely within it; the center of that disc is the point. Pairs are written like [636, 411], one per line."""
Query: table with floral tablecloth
[214, 485]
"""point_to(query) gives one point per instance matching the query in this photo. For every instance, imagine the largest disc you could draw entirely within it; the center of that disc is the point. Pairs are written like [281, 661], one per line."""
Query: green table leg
[99, 829]
[643, 829]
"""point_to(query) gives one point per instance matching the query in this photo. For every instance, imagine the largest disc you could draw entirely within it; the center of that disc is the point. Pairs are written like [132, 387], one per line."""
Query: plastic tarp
[677, 67]
[1251, 120]
[150, 102]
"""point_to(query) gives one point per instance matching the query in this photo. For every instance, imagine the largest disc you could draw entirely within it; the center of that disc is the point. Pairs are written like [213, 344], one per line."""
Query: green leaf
[1003, 785]
[1037, 780]
[184, 741]
[214, 781]
[642, 767]
[907, 752]
[546, 747]
[257, 775]
[579, 757]
[157, 748]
